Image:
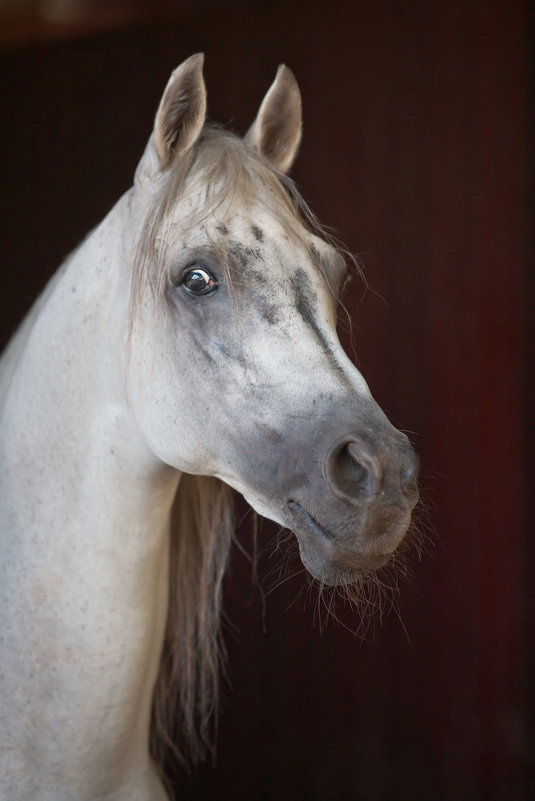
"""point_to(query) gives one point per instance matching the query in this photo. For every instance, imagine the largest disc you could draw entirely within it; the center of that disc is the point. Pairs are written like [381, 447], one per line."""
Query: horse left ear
[276, 131]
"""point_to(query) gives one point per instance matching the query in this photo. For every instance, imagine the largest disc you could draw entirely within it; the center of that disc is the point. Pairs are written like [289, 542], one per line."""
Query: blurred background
[417, 150]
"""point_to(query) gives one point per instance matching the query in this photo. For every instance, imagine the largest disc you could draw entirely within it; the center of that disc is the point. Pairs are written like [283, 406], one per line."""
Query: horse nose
[352, 471]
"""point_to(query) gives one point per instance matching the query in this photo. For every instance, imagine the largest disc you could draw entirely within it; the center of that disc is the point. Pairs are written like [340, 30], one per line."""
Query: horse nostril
[352, 472]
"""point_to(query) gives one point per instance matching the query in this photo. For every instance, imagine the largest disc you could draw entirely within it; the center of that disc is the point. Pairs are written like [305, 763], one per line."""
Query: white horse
[186, 346]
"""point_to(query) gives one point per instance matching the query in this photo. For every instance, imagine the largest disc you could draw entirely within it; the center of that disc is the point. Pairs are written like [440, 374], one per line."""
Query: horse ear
[276, 131]
[182, 111]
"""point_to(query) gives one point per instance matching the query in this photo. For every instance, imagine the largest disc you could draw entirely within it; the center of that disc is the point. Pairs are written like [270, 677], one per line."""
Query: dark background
[417, 149]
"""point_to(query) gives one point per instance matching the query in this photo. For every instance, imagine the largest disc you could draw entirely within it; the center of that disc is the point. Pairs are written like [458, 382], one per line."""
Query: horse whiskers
[280, 544]
[284, 580]
[304, 589]
[371, 596]
[421, 536]
[284, 567]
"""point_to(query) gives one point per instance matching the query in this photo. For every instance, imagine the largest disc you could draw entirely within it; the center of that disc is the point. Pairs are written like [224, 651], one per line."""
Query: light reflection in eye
[199, 281]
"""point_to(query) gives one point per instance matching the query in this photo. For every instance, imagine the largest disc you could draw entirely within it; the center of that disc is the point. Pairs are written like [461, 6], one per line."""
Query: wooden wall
[416, 150]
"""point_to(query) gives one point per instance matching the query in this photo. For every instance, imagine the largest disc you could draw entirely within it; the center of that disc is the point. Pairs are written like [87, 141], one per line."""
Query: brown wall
[416, 149]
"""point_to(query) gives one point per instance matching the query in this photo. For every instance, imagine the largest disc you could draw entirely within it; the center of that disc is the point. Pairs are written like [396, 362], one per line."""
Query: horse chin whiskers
[364, 596]
[356, 598]
[345, 594]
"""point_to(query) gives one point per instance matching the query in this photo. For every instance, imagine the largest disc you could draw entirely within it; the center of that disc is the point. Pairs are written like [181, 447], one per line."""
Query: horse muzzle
[353, 522]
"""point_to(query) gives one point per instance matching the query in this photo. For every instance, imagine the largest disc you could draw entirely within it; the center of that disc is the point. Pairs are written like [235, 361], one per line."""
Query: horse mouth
[321, 553]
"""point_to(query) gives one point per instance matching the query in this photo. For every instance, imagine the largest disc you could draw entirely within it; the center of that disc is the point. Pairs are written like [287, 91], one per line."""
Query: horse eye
[198, 281]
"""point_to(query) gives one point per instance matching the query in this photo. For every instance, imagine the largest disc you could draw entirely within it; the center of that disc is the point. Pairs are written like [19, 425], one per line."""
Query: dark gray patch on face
[304, 303]
[244, 255]
[269, 434]
[222, 229]
[250, 262]
[257, 233]
[269, 311]
[256, 275]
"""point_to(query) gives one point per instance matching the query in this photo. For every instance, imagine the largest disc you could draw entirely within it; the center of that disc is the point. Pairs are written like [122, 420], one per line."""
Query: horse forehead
[257, 236]
[257, 225]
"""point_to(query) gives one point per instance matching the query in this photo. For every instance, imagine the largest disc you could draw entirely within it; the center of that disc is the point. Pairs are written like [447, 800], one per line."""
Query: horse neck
[84, 520]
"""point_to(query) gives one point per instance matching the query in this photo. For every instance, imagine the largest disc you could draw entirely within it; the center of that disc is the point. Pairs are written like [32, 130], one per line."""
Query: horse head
[240, 374]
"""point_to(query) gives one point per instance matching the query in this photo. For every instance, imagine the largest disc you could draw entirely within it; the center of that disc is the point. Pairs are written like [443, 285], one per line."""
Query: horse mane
[185, 698]
[184, 715]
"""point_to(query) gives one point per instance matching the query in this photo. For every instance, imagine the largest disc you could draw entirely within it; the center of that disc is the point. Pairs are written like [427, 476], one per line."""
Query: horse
[185, 349]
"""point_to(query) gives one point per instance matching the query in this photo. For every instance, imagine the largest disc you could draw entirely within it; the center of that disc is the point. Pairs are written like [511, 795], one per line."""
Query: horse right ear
[180, 116]
[182, 111]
